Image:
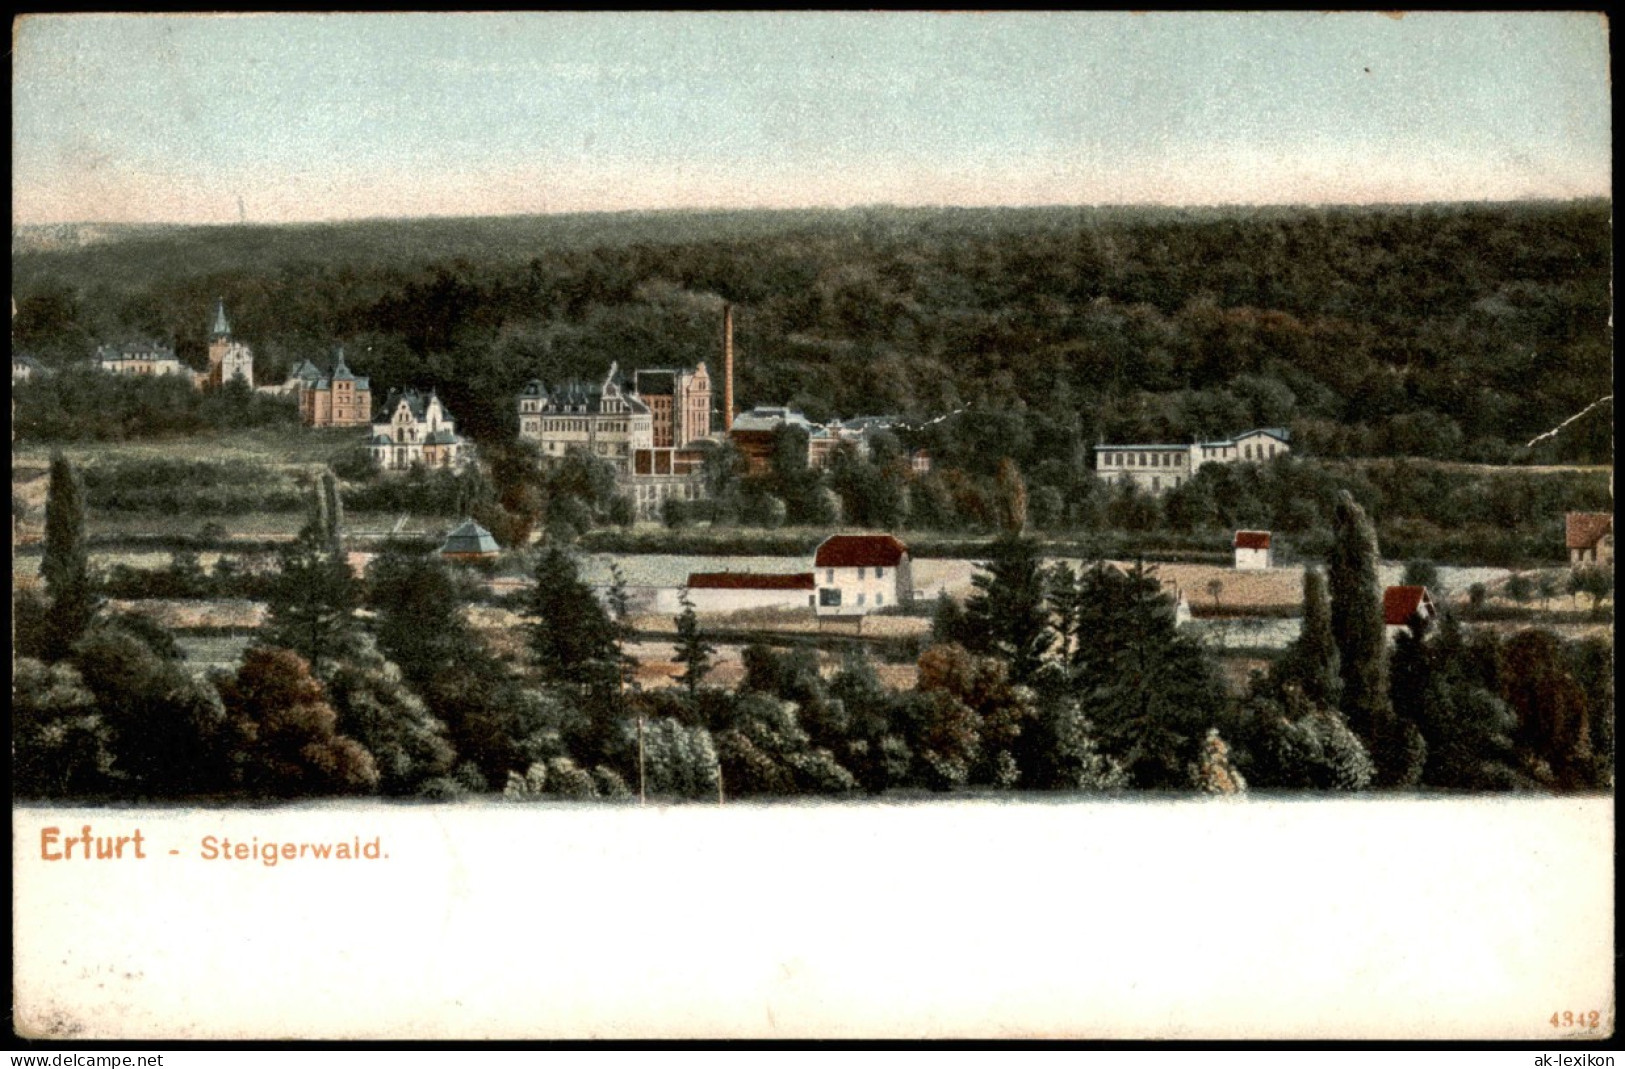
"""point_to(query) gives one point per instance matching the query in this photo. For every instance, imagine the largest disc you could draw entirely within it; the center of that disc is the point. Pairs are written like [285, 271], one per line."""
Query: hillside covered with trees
[1451, 332]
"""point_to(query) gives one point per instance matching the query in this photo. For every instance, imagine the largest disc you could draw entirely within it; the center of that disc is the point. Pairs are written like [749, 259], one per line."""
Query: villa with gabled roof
[416, 430]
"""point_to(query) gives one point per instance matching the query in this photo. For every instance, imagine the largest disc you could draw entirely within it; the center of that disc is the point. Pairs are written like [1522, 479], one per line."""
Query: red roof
[859, 551]
[1400, 603]
[1582, 530]
[749, 581]
[1252, 540]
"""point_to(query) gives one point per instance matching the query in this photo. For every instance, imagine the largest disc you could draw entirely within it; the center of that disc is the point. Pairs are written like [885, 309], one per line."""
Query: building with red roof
[733, 591]
[1400, 603]
[1253, 550]
[859, 574]
[1589, 537]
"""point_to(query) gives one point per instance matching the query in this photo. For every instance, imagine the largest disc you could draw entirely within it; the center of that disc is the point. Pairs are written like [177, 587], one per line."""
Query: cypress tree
[1356, 620]
[1312, 661]
[65, 566]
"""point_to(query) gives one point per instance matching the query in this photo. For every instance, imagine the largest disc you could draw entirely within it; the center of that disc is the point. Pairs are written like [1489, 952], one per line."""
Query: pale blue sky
[152, 118]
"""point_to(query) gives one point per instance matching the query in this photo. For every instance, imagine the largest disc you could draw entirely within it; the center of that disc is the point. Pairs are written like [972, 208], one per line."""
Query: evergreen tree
[572, 639]
[313, 600]
[1357, 624]
[417, 604]
[65, 566]
[1008, 616]
[1311, 661]
[693, 651]
[1149, 690]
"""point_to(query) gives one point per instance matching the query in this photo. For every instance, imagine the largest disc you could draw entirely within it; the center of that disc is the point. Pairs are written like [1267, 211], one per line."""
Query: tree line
[1044, 679]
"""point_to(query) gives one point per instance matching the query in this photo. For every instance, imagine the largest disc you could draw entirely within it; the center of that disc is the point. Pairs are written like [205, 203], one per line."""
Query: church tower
[228, 359]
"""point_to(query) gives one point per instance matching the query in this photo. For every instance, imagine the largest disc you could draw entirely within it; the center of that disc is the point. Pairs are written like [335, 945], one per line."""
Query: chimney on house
[727, 368]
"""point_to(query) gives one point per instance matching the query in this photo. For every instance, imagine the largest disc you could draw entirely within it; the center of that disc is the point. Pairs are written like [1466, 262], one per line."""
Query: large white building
[416, 430]
[141, 358]
[604, 421]
[861, 574]
[1163, 466]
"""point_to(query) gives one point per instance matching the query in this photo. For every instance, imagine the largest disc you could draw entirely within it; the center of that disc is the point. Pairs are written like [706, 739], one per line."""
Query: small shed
[470, 541]
[1400, 603]
[1589, 537]
[1253, 550]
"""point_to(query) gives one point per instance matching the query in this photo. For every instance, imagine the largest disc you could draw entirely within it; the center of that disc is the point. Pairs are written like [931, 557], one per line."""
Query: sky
[144, 118]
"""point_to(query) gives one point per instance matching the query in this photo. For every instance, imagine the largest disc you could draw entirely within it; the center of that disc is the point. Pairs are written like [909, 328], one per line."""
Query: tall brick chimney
[727, 367]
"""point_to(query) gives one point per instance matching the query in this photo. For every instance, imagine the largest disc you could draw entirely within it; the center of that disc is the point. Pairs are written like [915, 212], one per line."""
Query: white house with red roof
[860, 574]
[722, 592]
[1253, 551]
[1400, 603]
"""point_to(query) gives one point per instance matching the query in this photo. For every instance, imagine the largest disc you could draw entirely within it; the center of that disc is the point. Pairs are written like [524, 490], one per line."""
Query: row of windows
[1145, 460]
[832, 598]
[829, 574]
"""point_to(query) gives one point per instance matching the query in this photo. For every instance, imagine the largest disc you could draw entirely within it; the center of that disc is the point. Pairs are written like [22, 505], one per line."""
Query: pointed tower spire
[221, 327]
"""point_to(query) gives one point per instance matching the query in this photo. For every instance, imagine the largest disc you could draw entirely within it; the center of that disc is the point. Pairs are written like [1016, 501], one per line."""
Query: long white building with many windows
[1162, 467]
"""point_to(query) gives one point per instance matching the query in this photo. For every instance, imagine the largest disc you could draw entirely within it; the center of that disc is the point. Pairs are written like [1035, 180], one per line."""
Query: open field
[284, 447]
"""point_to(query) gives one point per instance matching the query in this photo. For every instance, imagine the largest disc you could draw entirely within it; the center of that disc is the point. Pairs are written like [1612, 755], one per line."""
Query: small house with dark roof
[1400, 603]
[1253, 550]
[1589, 537]
[339, 398]
[716, 592]
[860, 574]
[416, 430]
[470, 542]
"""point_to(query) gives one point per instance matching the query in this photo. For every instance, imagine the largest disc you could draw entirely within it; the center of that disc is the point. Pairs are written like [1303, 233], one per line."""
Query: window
[860, 573]
[829, 575]
[880, 573]
[829, 598]
[1156, 482]
[860, 599]
[880, 599]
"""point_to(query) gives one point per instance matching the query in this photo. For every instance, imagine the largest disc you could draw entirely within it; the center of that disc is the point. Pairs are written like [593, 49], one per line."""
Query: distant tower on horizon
[228, 359]
[242, 212]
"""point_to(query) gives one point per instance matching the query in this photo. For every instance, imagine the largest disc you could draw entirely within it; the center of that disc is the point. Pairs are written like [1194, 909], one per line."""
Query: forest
[1452, 332]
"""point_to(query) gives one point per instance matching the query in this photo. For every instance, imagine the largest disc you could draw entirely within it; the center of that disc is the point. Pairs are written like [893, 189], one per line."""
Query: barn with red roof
[733, 591]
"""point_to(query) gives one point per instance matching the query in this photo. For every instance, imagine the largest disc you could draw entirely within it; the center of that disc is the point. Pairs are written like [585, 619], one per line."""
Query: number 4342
[1566, 1019]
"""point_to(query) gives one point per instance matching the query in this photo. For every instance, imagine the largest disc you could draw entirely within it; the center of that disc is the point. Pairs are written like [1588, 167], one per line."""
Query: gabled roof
[859, 551]
[1400, 603]
[470, 538]
[141, 350]
[1278, 433]
[1252, 540]
[534, 388]
[441, 438]
[1582, 530]
[307, 371]
[749, 581]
